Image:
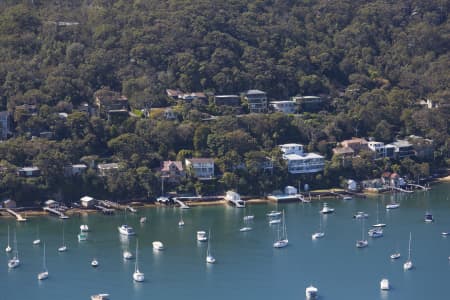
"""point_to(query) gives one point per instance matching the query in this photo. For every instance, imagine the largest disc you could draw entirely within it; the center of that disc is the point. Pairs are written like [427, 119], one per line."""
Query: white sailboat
[8, 247]
[63, 248]
[319, 234]
[15, 261]
[246, 226]
[209, 258]
[138, 276]
[311, 292]
[378, 224]
[37, 241]
[408, 265]
[282, 240]
[44, 274]
[363, 242]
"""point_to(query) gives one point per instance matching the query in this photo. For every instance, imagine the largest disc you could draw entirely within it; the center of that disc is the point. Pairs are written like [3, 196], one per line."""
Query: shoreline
[315, 195]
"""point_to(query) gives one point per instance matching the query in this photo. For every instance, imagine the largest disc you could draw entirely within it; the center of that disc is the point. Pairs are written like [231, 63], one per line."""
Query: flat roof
[302, 157]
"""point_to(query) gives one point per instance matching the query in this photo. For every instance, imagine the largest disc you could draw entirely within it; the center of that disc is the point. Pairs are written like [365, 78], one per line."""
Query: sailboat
[320, 233]
[37, 241]
[138, 276]
[246, 227]
[282, 240]
[162, 199]
[378, 224]
[8, 247]
[63, 248]
[209, 258]
[408, 265]
[363, 242]
[44, 274]
[15, 261]
[181, 222]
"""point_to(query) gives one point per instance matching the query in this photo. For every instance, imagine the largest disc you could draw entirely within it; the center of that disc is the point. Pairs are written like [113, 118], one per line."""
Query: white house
[257, 101]
[381, 150]
[74, 170]
[87, 201]
[202, 168]
[287, 107]
[107, 169]
[300, 162]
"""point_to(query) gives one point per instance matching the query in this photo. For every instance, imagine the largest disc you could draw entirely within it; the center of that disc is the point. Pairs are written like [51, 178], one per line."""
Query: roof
[167, 163]
[79, 166]
[343, 150]
[355, 140]
[282, 102]
[108, 166]
[200, 160]
[86, 199]
[401, 143]
[291, 145]
[29, 169]
[302, 157]
[255, 92]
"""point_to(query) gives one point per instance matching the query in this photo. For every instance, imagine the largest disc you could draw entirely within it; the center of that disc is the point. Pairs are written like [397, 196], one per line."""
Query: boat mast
[409, 247]
[136, 269]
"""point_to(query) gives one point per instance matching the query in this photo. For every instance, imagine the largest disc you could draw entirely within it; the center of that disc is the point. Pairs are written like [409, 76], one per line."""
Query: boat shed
[88, 202]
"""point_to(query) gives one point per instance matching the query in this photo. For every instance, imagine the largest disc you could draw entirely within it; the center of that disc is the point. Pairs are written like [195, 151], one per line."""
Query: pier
[418, 186]
[105, 210]
[181, 203]
[16, 215]
[60, 214]
[401, 190]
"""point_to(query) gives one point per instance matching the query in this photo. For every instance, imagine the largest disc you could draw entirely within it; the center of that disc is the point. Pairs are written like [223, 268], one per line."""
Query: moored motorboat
[274, 221]
[326, 209]
[100, 297]
[384, 284]
[201, 236]
[428, 218]
[392, 206]
[157, 245]
[317, 235]
[126, 230]
[311, 292]
[82, 236]
[84, 228]
[360, 215]
[127, 255]
[94, 263]
[445, 233]
[143, 220]
[274, 213]
[376, 232]
[395, 255]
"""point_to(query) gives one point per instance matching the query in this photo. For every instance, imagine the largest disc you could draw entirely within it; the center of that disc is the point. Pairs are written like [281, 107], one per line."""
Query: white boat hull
[384, 284]
[138, 276]
[318, 235]
[408, 265]
[43, 275]
[280, 244]
[210, 259]
[311, 292]
[14, 263]
[244, 229]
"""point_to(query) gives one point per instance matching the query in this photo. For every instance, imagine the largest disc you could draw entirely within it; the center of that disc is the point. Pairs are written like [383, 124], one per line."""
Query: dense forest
[376, 60]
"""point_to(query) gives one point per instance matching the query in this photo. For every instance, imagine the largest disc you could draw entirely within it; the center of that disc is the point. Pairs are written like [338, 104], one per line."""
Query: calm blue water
[247, 264]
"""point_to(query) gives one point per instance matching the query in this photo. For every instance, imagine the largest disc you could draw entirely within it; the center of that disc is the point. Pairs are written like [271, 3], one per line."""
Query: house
[429, 103]
[172, 171]
[9, 203]
[381, 150]
[299, 162]
[423, 148]
[87, 202]
[107, 169]
[228, 100]
[202, 168]
[345, 152]
[111, 104]
[403, 149]
[5, 124]
[357, 144]
[74, 170]
[308, 103]
[257, 101]
[29, 172]
[287, 107]
[174, 94]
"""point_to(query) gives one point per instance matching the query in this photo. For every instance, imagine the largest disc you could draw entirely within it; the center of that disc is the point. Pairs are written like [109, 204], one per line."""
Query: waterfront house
[172, 171]
[87, 202]
[423, 148]
[403, 149]
[257, 101]
[381, 150]
[357, 144]
[29, 172]
[299, 162]
[228, 100]
[74, 170]
[202, 168]
[287, 106]
[111, 104]
[5, 124]
[107, 169]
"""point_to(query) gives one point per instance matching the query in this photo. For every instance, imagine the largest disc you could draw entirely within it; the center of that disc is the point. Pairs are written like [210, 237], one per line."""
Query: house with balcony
[299, 162]
[309, 103]
[357, 144]
[172, 171]
[403, 149]
[75, 170]
[111, 105]
[286, 107]
[381, 150]
[107, 169]
[29, 172]
[257, 101]
[201, 168]
[228, 100]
